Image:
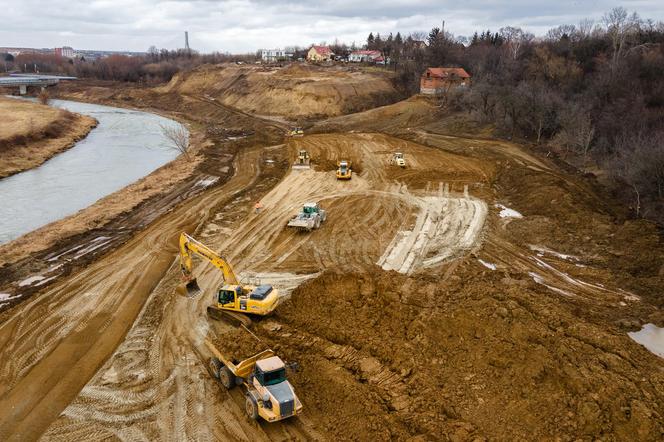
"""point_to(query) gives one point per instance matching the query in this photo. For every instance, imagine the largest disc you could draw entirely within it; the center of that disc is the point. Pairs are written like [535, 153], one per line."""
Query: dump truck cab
[271, 391]
[259, 300]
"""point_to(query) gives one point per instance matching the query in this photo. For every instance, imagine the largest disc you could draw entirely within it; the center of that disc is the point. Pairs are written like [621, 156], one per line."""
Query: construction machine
[398, 160]
[309, 218]
[269, 394]
[295, 132]
[344, 171]
[233, 300]
[303, 160]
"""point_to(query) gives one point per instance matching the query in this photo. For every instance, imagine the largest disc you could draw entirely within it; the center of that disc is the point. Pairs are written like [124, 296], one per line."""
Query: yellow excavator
[232, 301]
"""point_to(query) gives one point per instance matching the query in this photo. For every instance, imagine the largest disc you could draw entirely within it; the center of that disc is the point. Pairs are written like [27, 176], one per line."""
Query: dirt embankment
[31, 133]
[297, 92]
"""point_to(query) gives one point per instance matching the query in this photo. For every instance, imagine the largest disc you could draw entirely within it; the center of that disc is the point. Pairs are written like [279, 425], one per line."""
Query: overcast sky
[246, 25]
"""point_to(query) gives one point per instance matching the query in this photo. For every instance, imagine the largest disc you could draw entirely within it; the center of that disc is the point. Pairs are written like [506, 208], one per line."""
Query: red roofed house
[319, 53]
[362, 56]
[436, 81]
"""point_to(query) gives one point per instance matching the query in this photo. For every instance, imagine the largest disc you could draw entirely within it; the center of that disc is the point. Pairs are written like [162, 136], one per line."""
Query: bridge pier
[22, 89]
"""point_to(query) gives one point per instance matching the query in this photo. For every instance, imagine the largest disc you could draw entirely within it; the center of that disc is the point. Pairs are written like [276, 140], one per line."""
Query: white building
[272, 55]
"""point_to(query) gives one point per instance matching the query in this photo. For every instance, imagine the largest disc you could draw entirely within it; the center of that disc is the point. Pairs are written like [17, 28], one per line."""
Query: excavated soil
[504, 317]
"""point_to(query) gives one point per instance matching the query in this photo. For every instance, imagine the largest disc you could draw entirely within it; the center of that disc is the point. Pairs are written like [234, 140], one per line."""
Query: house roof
[322, 50]
[448, 72]
[365, 52]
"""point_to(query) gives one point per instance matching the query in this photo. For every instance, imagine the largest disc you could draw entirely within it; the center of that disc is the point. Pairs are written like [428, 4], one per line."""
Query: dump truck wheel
[214, 365]
[251, 407]
[227, 378]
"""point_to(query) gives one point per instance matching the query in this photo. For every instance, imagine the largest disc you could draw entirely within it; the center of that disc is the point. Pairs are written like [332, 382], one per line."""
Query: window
[273, 377]
[226, 296]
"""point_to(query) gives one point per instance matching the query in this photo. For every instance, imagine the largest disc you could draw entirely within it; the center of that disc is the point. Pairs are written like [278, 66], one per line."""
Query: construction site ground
[484, 292]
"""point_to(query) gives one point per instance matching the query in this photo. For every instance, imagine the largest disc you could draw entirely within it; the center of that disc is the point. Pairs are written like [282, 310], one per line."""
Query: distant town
[68, 52]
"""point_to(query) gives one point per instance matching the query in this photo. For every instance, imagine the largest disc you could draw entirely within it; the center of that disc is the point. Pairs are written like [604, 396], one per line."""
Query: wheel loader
[232, 301]
[269, 395]
[344, 171]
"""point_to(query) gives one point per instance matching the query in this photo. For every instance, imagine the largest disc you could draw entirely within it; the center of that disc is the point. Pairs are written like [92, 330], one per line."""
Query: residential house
[435, 81]
[273, 55]
[319, 53]
[364, 56]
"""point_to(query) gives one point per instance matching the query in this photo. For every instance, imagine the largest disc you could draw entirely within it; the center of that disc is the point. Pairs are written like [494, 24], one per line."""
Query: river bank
[32, 133]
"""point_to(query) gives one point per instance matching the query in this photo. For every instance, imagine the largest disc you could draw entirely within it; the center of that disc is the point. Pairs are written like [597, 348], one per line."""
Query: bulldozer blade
[190, 289]
[232, 318]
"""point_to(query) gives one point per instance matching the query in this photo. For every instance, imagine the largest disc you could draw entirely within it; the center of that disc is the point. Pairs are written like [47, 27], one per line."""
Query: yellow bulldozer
[233, 301]
[344, 171]
[295, 132]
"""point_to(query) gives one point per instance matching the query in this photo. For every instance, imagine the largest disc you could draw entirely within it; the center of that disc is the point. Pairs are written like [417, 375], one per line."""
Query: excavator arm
[189, 246]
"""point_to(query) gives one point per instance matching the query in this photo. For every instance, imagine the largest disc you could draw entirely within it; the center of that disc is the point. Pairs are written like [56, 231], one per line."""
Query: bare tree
[178, 138]
[619, 26]
[43, 96]
[515, 39]
[577, 132]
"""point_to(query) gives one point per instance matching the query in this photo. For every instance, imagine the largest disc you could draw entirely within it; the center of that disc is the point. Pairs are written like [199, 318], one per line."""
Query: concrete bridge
[23, 81]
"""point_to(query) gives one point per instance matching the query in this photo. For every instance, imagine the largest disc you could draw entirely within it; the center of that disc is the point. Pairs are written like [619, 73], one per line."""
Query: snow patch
[538, 279]
[506, 212]
[207, 182]
[8, 296]
[651, 337]
[31, 280]
[543, 250]
[488, 265]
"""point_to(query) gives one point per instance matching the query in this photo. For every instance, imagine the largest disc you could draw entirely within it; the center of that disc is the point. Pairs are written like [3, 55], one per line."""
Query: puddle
[651, 337]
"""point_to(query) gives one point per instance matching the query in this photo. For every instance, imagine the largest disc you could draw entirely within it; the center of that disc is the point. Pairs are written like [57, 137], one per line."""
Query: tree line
[593, 92]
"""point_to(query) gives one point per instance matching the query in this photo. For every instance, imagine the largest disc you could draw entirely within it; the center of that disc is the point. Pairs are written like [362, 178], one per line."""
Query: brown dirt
[297, 92]
[447, 350]
[31, 133]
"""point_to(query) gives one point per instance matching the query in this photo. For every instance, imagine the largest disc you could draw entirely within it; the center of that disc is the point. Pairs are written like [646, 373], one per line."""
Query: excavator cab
[228, 295]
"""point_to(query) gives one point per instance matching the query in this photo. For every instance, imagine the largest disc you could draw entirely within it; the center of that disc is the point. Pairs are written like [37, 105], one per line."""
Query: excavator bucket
[190, 289]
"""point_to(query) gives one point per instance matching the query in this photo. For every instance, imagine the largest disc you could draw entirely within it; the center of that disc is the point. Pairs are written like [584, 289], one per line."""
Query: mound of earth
[295, 92]
[394, 357]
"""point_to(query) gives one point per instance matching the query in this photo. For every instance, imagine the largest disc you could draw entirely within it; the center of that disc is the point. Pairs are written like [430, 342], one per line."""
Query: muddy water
[125, 146]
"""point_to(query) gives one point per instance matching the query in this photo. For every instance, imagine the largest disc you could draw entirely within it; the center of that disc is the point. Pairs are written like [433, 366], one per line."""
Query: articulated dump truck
[269, 394]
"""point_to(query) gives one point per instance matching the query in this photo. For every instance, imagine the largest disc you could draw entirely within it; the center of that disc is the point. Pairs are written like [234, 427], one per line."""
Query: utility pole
[186, 41]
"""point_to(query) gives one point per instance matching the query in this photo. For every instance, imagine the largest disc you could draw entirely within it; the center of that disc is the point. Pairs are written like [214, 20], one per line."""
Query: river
[124, 147]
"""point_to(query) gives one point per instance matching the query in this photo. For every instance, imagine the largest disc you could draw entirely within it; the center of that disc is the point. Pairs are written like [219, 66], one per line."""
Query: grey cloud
[245, 25]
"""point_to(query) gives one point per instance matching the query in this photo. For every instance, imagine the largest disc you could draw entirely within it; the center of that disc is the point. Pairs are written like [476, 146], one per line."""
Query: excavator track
[232, 318]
